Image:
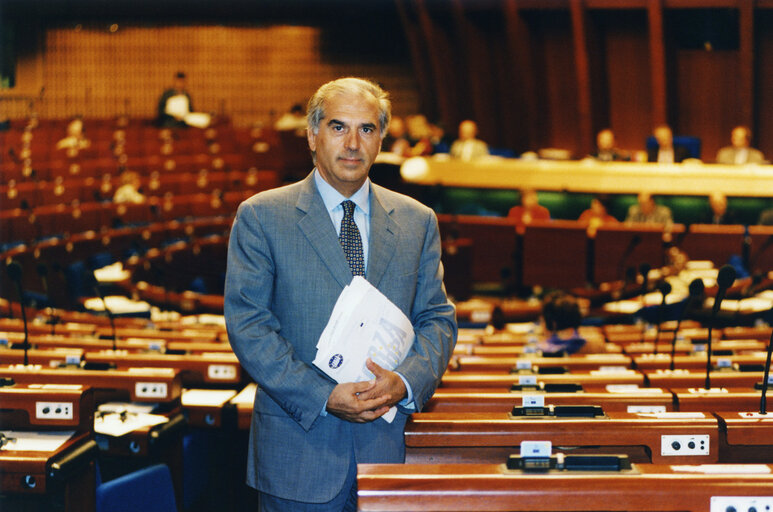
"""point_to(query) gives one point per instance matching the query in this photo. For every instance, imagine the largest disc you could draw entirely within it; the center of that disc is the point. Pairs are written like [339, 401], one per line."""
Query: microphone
[696, 292]
[15, 272]
[632, 244]
[725, 279]
[644, 270]
[42, 270]
[763, 399]
[91, 280]
[665, 288]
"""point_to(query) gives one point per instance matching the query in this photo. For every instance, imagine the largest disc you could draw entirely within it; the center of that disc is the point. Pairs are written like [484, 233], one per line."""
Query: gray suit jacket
[727, 156]
[286, 269]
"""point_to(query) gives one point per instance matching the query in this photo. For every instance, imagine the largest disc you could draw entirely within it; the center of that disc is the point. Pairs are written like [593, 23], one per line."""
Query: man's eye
[367, 129]
[338, 127]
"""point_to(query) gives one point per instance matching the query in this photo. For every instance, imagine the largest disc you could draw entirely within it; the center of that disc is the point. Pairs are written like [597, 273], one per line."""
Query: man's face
[348, 140]
[605, 140]
[664, 137]
[738, 138]
[467, 130]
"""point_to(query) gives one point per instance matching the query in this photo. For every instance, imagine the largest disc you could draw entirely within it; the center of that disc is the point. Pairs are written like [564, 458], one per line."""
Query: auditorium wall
[252, 74]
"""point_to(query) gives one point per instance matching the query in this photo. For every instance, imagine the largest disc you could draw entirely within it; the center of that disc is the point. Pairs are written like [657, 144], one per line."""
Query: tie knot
[348, 207]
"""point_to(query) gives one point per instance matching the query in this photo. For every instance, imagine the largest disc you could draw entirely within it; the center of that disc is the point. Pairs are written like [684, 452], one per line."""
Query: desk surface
[490, 487]
[591, 176]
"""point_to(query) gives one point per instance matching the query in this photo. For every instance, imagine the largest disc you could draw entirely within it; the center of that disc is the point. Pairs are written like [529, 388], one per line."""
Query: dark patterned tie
[351, 241]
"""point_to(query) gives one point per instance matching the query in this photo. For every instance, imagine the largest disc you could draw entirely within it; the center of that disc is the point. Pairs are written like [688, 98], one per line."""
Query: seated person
[606, 150]
[396, 140]
[739, 152]
[529, 209]
[75, 139]
[129, 191]
[766, 218]
[175, 108]
[294, 120]
[562, 317]
[719, 213]
[666, 152]
[646, 211]
[467, 147]
[597, 215]
[419, 135]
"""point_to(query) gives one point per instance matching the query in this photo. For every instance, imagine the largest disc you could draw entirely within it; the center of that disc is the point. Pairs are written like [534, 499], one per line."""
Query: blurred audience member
[719, 213]
[739, 152]
[75, 139]
[597, 215]
[562, 317]
[293, 120]
[129, 191]
[606, 150]
[646, 211]
[666, 152]
[766, 217]
[419, 135]
[467, 147]
[174, 103]
[529, 209]
[396, 140]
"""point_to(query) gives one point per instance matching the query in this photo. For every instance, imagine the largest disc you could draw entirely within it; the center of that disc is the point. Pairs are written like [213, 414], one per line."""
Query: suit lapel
[320, 232]
[383, 236]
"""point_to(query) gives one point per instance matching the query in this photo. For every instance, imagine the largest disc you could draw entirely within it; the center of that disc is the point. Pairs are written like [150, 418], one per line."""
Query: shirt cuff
[406, 402]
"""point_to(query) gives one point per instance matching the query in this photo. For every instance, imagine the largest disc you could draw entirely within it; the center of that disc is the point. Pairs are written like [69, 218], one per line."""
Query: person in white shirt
[467, 147]
[740, 152]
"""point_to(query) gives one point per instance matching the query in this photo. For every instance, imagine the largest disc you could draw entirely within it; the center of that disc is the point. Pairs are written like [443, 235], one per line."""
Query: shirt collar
[333, 198]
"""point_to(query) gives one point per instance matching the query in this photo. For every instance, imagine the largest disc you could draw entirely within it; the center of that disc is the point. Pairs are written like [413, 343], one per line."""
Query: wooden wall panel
[554, 70]
[628, 80]
[250, 73]
[764, 71]
[707, 97]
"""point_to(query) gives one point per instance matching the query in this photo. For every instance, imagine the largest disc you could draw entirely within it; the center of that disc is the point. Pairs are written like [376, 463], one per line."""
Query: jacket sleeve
[253, 329]
[434, 322]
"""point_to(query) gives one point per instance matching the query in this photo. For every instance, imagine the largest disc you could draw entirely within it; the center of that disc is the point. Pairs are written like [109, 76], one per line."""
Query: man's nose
[353, 140]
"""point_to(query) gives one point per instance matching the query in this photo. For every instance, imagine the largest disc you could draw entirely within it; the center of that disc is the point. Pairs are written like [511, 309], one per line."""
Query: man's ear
[312, 138]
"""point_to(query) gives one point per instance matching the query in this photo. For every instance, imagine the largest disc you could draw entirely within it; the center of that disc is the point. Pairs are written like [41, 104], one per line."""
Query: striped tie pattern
[351, 241]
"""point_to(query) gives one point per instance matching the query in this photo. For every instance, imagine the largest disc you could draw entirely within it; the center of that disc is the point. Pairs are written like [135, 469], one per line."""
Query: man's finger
[377, 370]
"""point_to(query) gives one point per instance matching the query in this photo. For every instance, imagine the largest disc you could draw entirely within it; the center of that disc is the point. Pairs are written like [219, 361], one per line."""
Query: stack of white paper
[364, 324]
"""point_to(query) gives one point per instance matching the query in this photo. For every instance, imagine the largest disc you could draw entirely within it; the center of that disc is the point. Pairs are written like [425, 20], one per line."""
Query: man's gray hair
[315, 111]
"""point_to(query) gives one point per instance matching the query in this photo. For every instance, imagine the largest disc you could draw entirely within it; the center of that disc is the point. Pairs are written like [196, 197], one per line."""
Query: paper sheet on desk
[25, 441]
[364, 324]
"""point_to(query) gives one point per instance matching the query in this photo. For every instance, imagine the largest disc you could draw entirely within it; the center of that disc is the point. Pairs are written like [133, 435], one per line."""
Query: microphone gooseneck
[15, 272]
[763, 398]
[725, 279]
[696, 292]
[664, 287]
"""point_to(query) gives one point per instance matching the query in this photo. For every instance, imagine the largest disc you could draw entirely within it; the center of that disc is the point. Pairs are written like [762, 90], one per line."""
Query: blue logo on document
[335, 361]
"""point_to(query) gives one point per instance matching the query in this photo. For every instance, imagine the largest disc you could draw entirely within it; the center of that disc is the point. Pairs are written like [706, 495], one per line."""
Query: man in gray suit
[740, 152]
[291, 252]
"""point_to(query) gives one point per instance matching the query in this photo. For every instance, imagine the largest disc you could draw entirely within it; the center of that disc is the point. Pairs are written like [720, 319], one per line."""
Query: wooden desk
[575, 362]
[505, 380]
[491, 487]
[56, 478]
[695, 379]
[453, 400]
[63, 477]
[591, 176]
[697, 361]
[729, 399]
[195, 369]
[555, 254]
[686, 348]
[490, 437]
[746, 436]
[155, 385]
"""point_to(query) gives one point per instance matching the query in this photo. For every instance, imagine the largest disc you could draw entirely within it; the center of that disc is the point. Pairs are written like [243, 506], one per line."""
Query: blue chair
[148, 489]
[693, 144]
